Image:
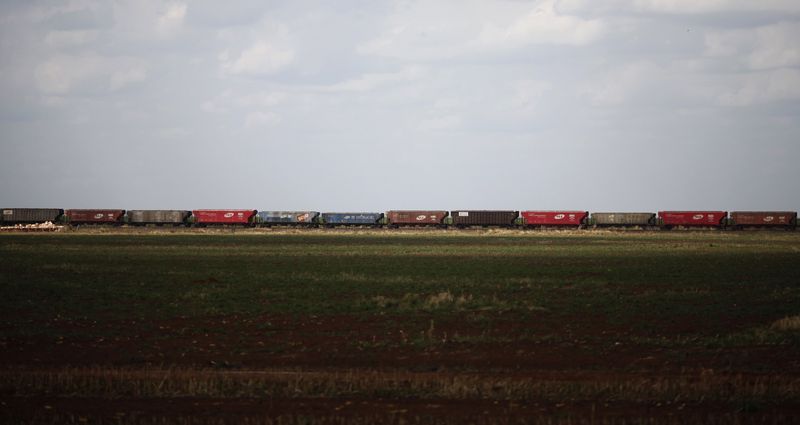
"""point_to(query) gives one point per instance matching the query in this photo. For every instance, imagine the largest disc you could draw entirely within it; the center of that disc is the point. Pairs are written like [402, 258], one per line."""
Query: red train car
[415, 217]
[244, 217]
[763, 219]
[555, 218]
[94, 216]
[692, 218]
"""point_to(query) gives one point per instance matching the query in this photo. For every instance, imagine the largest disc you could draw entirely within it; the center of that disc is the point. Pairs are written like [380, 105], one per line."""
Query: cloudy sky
[376, 105]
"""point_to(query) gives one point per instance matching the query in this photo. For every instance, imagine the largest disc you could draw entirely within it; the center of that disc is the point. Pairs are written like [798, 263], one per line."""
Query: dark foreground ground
[400, 328]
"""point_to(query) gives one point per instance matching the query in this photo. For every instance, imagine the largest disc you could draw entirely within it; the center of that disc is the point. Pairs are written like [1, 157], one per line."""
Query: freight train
[405, 218]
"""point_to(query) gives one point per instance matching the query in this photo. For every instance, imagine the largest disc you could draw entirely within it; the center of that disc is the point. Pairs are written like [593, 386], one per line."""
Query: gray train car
[267, 218]
[623, 219]
[463, 218]
[30, 215]
[158, 217]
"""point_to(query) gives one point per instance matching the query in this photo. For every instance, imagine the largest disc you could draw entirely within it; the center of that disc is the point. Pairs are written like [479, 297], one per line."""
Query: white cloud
[171, 19]
[423, 30]
[262, 58]
[59, 74]
[125, 77]
[762, 87]
[441, 123]
[542, 25]
[528, 94]
[60, 39]
[372, 81]
[261, 119]
[172, 132]
[646, 83]
[65, 74]
[764, 47]
[622, 85]
[260, 99]
[678, 7]
[227, 101]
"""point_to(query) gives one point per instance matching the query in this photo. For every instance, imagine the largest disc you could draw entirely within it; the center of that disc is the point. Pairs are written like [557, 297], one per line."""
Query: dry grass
[107, 382]
[440, 300]
[791, 323]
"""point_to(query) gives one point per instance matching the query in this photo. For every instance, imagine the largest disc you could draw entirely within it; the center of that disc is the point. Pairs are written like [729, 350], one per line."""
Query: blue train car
[287, 217]
[352, 218]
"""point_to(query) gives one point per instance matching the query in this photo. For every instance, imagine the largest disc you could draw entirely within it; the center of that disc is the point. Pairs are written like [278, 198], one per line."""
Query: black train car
[463, 218]
[30, 215]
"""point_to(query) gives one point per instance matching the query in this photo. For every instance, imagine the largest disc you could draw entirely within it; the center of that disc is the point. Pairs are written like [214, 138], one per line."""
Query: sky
[615, 105]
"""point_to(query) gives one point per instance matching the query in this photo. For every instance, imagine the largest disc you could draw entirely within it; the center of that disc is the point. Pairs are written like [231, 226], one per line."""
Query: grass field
[407, 327]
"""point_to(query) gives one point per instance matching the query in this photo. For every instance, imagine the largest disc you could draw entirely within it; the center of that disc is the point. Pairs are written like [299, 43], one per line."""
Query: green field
[400, 327]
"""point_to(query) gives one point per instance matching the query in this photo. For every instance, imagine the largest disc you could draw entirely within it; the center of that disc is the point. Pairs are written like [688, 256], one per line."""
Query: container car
[94, 216]
[30, 215]
[786, 219]
[623, 219]
[352, 218]
[416, 217]
[669, 219]
[554, 218]
[463, 218]
[241, 217]
[158, 217]
[287, 217]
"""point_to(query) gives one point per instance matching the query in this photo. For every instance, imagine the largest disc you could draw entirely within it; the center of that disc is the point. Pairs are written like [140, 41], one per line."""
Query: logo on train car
[463, 213]
[228, 215]
[421, 217]
[8, 212]
[100, 215]
[768, 218]
[302, 217]
[559, 216]
[697, 217]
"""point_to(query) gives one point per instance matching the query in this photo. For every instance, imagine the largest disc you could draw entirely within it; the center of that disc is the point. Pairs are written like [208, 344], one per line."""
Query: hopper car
[330, 219]
[714, 219]
[397, 218]
[223, 217]
[76, 217]
[559, 219]
[158, 217]
[465, 218]
[11, 216]
[292, 218]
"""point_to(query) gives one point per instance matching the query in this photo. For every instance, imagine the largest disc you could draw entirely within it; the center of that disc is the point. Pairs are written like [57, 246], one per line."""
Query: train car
[94, 216]
[463, 218]
[416, 217]
[268, 218]
[554, 218]
[238, 217]
[158, 217]
[784, 219]
[623, 219]
[352, 218]
[670, 219]
[30, 215]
